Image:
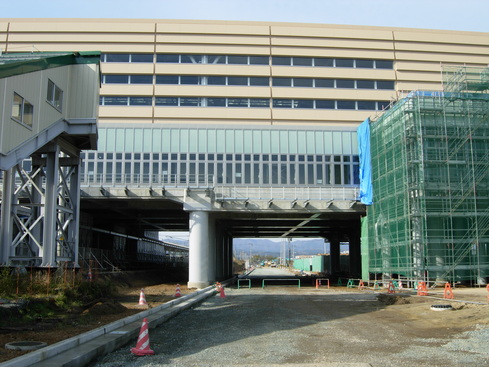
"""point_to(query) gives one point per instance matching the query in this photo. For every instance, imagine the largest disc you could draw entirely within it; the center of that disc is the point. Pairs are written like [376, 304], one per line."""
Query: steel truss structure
[430, 169]
[40, 210]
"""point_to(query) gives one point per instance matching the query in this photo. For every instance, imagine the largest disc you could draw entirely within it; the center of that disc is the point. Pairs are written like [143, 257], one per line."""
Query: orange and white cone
[142, 299]
[142, 346]
[222, 294]
[177, 291]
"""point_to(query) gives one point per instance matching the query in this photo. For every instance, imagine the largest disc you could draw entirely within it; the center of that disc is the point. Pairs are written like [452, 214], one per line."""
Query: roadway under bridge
[213, 216]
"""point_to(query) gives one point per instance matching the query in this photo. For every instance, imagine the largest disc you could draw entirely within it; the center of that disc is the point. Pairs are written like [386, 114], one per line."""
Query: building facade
[243, 104]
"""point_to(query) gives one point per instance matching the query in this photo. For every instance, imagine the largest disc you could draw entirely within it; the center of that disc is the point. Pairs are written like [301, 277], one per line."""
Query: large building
[245, 104]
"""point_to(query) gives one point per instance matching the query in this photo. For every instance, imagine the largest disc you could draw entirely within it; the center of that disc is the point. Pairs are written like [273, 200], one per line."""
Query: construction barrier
[376, 285]
[391, 289]
[319, 282]
[281, 280]
[350, 284]
[247, 280]
[361, 285]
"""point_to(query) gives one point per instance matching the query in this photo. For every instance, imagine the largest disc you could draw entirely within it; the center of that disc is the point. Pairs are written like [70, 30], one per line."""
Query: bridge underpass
[213, 219]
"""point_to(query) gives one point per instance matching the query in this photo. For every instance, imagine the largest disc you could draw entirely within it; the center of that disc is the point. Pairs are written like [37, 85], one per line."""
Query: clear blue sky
[462, 15]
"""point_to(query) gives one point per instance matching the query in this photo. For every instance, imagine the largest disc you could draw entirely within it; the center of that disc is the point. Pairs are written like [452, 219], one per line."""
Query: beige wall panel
[332, 31]
[327, 93]
[197, 27]
[126, 68]
[80, 25]
[125, 111]
[408, 86]
[212, 113]
[324, 72]
[3, 26]
[208, 122]
[126, 90]
[343, 125]
[206, 69]
[443, 48]
[446, 58]
[80, 38]
[211, 91]
[435, 36]
[333, 43]
[320, 115]
[64, 47]
[213, 49]
[418, 66]
[331, 52]
[122, 121]
[419, 76]
[212, 40]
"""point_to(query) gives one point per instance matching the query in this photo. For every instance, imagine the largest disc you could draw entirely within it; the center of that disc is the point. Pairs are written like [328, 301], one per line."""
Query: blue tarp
[365, 172]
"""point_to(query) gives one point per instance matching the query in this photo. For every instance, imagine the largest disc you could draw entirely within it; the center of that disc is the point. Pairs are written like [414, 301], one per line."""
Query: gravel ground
[309, 327]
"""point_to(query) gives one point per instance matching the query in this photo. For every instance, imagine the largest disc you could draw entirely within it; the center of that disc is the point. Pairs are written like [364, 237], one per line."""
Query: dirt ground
[60, 328]
[471, 306]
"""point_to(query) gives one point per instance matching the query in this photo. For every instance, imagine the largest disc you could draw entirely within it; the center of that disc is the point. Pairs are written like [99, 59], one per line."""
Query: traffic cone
[448, 293]
[142, 299]
[177, 291]
[142, 346]
[222, 294]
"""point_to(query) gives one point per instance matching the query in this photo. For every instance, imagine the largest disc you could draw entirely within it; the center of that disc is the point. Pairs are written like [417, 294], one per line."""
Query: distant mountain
[269, 247]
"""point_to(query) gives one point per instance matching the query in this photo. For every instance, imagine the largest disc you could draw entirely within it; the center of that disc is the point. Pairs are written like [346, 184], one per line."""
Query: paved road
[288, 326]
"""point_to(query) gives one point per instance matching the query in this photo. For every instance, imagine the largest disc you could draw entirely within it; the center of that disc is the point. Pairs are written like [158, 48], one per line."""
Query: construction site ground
[290, 326]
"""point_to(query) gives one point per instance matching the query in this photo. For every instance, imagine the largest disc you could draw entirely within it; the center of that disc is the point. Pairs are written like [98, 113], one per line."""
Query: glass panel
[116, 79]
[259, 102]
[238, 60]
[281, 60]
[238, 136]
[191, 59]
[28, 113]
[346, 105]
[17, 107]
[190, 101]
[166, 79]
[344, 63]
[382, 105]
[191, 79]
[365, 64]
[168, 58]
[259, 81]
[325, 104]
[140, 101]
[303, 82]
[216, 80]
[141, 79]
[302, 61]
[345, 83]
[115, 101]
[282, 82]
[321, 61]
[385, 84]
[282, 103]
[116, 57]
[303, 103]
[324, 83]
[216, 102]
[301, 143]
[259, 60]
[142, 58]
[365, 84]
[166, 101]
[229, 140]
[237, 102]
[237, 80]
[384, 64]
[366, 105]
[216, 59]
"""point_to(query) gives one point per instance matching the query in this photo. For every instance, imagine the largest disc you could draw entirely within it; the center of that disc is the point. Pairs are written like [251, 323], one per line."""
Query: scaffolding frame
[430, 169]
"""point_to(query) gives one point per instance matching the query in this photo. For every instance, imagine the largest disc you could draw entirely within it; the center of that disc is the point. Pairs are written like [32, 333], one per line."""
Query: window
[259, 60]
[302, 61]
[141, 79]
[325, 104]
[259, 81]
[166, 101]
[190, 79]
[366, 105]
[345, 83]
[191, 59]
[55, 95]
[116, 79]
[114, 101]
[385, 84]
[216, 102]
[22, 111]
[346, 105]
[365, 84]
[303, 82]
[140, 101]
[367, 64]
[324, 83]
[237, 80]
[384, 64]
[280, 60]
[323, 62]
[117, 58]
[282, 82]
[168, 58]
[216, 80]
[142, 58]
[240, 60]
[216, 59]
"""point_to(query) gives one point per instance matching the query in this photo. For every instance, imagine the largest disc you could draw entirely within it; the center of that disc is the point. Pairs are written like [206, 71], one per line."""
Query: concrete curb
[81, 349]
